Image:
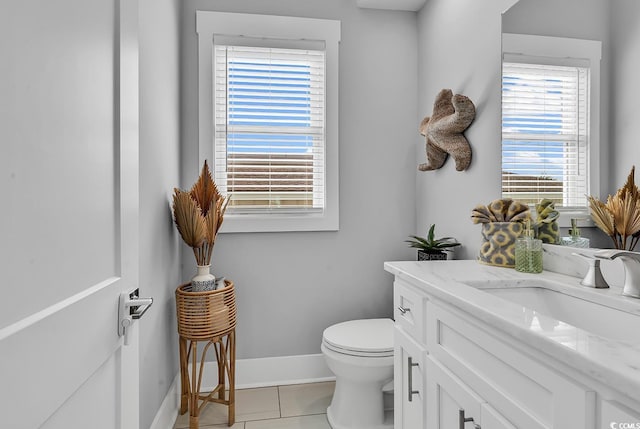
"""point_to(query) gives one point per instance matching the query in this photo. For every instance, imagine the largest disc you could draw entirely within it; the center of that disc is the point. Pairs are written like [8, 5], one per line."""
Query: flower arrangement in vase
[619, 217]
[198, 215]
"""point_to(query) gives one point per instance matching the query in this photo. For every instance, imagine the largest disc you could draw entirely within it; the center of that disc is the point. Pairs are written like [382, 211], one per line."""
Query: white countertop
[613, 363]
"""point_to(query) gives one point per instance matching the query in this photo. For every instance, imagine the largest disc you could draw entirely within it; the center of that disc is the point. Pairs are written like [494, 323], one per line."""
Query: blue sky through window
[276, 94]
[269, 143]
[540, 155]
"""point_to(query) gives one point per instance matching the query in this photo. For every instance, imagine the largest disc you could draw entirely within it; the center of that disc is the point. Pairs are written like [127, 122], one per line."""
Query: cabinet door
[452, 404]
[409, 376]
[491, 419]
[449, 399]
[617, 416]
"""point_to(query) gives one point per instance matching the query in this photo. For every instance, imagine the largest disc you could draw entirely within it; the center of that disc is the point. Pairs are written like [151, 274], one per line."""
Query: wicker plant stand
[209, 317]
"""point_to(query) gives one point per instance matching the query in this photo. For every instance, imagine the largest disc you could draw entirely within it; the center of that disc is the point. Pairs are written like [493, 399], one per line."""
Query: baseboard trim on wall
[168, 412]
[277, 371]
[250, 373]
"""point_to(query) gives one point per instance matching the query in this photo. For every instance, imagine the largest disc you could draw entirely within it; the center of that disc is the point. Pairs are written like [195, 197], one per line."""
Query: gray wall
[625, 87]
[579, 19]
[459, 48]
[290, 286]
[159, 165]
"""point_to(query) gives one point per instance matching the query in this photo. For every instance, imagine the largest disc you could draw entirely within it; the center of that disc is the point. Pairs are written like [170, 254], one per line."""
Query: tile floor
[299, 406]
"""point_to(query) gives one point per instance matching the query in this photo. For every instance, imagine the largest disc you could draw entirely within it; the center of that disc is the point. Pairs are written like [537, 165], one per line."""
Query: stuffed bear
[452, 114]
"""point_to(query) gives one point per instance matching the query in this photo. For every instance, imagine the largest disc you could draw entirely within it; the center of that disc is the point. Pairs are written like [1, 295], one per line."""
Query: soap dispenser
[528, 251]
[574, 239]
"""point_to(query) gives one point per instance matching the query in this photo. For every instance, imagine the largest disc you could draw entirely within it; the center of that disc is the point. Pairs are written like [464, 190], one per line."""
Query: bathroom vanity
[487, 347]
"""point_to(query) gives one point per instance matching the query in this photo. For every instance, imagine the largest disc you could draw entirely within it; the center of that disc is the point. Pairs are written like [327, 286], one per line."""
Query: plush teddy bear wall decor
[452, 114]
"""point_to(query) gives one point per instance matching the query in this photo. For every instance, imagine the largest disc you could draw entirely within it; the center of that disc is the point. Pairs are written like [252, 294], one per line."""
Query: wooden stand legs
[225, 350]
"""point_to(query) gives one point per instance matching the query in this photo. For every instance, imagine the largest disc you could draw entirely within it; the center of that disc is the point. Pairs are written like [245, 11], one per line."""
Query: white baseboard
[260, 372]
[275, 371]
[168, 412]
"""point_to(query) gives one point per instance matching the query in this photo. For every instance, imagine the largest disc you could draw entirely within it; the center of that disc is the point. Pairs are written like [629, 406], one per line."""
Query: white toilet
[360, 354]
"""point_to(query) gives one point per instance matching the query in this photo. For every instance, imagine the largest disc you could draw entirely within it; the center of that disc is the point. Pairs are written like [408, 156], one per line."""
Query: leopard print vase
[499, 243]
[549, 233]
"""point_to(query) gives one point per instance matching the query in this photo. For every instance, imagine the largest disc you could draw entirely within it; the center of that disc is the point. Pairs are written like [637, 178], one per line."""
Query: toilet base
[387, 424]
[359, 405]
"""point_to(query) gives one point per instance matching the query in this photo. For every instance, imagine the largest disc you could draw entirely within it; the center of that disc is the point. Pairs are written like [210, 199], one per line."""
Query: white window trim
[562, 47]
[211, 24]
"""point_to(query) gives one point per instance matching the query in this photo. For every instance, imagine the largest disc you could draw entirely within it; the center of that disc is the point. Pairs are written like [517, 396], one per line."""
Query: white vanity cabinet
[450, 366]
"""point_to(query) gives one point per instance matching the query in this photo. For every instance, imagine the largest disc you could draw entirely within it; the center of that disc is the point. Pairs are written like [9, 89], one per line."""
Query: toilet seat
[365, 338]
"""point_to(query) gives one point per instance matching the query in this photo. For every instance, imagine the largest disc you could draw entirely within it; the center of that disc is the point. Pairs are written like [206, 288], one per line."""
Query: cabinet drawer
[409, 309]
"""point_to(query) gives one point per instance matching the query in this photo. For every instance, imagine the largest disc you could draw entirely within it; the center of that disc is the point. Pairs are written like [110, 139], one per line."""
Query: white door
[68, 212]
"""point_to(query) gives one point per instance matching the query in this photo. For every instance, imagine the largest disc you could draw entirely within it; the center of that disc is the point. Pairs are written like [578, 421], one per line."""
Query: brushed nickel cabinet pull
[410, 365]
[462, 420]
[403, 310]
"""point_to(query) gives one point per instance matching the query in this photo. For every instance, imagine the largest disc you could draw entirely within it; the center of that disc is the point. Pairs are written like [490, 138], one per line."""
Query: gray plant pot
[424, 256]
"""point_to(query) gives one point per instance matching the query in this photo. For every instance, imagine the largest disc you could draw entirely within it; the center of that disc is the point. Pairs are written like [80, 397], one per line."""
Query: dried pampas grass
[602, 216]
[198, 215]
[188, 219]
[619, 217]
[204, 191]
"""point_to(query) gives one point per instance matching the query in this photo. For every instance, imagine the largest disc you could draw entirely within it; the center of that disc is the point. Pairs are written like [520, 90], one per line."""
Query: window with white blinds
[545, 133]
[268, 118]
[269, 108]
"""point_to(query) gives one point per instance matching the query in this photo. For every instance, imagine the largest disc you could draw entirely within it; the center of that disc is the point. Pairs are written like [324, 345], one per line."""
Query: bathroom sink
[545, 306]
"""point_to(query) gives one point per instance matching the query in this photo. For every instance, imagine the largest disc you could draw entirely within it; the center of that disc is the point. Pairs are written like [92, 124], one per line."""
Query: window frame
[556, 49]
[211, 25]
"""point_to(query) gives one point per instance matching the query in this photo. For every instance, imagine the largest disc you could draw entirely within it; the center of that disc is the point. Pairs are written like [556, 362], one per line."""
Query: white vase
[204, 280]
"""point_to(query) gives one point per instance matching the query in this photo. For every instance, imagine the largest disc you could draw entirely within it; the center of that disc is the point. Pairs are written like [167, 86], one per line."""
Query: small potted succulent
[431, 248]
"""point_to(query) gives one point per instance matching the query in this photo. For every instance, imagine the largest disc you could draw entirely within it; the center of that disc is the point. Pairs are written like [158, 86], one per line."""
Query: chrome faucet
[594, 277]
[631, 262]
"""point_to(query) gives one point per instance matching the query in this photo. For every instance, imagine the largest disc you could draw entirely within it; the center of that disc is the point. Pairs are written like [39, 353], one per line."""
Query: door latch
[131, 307]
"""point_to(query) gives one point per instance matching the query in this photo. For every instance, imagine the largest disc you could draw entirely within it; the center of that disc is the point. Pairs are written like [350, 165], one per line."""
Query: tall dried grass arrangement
[198, 215]
[619, 217]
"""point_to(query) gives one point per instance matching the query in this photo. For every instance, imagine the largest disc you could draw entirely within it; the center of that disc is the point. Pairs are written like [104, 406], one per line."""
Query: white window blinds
[269, 112]
[545, 133]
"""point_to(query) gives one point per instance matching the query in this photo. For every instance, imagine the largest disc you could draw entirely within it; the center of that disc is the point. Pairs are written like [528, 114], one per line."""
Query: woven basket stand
[209, 317]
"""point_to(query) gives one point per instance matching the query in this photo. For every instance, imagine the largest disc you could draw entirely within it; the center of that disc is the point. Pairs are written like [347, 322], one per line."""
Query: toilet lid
[372, 337]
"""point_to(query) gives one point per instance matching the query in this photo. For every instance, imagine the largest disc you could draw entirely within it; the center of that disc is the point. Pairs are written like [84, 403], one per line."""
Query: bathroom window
[269, 136]
[272, 116]
[550, 127]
